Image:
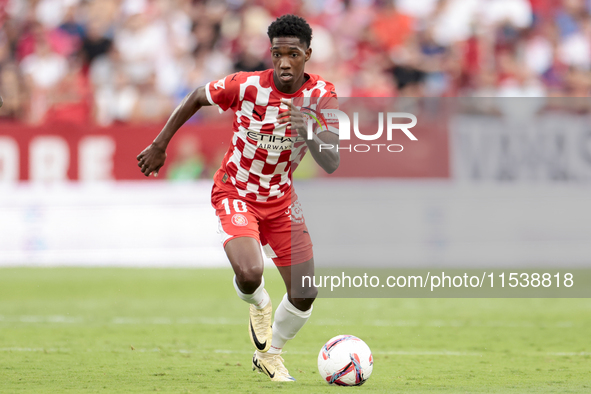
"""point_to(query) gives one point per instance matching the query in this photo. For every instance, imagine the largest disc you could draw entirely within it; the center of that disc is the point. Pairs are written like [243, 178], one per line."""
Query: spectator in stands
[13, 92]
[150, 105]
[69, 101]
[43, 70]
[114, 101]
[167, 47]
[71, 26]
[391, 27]
[95, 43]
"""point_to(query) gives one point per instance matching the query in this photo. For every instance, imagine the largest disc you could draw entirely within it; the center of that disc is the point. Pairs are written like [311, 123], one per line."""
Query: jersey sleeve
[224, 93]
[328, 101]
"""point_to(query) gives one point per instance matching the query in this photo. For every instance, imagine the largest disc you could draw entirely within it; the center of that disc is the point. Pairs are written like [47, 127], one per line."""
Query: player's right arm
[152, 158]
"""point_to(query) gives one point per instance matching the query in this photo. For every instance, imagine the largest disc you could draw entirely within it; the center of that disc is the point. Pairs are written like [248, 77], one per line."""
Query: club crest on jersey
[296, 213]
[271, 142]
[239, 220]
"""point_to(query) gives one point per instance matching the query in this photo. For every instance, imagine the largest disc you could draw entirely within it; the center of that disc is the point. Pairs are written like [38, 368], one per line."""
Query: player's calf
[288, 322]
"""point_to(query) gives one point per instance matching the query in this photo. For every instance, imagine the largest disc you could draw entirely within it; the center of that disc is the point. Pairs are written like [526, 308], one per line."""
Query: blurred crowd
[108, 61]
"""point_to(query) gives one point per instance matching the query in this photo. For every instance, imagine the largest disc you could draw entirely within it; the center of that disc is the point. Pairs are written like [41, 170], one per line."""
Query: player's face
[289, 58]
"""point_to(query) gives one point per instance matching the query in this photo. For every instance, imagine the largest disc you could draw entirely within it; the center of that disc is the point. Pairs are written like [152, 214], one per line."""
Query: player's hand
[151, 160]
[293, 116]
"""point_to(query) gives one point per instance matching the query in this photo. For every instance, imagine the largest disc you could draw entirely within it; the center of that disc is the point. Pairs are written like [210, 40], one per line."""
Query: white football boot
[272, 366]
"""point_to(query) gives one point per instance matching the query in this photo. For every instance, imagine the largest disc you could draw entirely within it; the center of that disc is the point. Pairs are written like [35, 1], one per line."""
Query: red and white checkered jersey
[263, 153]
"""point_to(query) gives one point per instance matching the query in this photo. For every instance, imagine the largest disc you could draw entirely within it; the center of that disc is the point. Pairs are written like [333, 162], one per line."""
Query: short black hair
[291, 26]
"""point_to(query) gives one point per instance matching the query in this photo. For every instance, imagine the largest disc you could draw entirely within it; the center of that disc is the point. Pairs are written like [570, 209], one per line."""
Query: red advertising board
[68, 152]
[59, 152]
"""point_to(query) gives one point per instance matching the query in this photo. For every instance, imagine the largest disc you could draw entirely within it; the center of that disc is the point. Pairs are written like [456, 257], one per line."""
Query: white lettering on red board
[95, 158]
[9, 160]
[49, 159]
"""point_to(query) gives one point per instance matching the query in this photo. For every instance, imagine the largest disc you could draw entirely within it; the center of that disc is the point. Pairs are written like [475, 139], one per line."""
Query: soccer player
[253, 194]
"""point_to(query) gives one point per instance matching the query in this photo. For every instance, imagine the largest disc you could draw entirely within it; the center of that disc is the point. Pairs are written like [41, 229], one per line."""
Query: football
[345, 360]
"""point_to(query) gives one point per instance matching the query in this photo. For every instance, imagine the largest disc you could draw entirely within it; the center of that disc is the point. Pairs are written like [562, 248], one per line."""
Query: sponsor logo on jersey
[239, 220]
[272, 142]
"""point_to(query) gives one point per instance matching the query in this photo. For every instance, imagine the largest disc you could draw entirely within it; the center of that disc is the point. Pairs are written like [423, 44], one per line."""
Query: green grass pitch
[185, 331]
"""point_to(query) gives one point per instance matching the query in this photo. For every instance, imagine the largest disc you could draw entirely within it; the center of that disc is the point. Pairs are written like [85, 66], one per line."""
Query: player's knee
[249, 279]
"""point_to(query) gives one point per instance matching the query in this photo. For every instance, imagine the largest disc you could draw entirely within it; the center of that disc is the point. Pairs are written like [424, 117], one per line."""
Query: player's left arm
[323, 146]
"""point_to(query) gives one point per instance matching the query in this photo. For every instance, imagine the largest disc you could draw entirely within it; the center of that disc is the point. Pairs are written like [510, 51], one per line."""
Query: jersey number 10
[239, 206]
